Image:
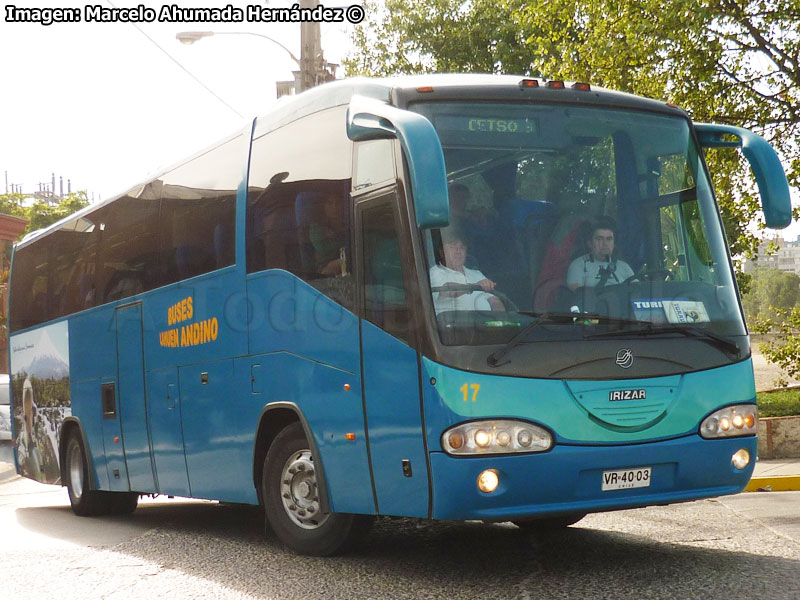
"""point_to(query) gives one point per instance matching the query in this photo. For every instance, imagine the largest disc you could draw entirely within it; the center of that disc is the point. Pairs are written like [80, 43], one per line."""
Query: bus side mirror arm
[369, 119]
[770, 176]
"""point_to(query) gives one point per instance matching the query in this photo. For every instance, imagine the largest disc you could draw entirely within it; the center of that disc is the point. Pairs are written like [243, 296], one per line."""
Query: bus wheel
[123, 503]
[549, 523]
[292, 505]
[85, 502]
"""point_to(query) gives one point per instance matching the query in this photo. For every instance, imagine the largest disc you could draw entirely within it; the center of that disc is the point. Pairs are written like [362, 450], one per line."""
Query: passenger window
[198, 214]
[298, 206]
[385, 298]
[126, 233]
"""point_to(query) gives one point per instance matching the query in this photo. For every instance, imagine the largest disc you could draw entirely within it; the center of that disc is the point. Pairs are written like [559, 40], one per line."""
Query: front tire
[85, 502]
[290, 492]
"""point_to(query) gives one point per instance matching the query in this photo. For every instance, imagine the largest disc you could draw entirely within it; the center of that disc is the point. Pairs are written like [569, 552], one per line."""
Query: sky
[101, 105]
[104, 106]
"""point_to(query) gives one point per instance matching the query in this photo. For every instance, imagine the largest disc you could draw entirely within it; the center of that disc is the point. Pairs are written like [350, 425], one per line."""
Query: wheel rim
[75, 471]
[299, 492]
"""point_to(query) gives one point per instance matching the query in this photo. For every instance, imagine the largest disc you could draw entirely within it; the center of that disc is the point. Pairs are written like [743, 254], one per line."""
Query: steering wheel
[474, 287]
[651, 275]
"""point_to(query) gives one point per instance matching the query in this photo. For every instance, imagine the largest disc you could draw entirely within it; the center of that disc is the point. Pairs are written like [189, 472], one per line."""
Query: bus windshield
[572, 222]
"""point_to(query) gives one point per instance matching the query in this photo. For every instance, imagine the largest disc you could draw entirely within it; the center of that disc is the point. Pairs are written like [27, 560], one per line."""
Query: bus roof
[401, 91]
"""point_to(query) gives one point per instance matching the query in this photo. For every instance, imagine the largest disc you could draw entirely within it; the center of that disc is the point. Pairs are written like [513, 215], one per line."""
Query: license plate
[625, 479]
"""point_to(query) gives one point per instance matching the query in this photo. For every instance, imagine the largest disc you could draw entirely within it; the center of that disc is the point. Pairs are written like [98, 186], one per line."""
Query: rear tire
[549, 523]
[85, 502]
[122, 503]
[292, 505]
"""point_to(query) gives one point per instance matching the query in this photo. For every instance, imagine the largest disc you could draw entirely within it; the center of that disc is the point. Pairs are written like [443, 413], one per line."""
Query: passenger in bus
[451, 272]
[598, 267]
[327, 236]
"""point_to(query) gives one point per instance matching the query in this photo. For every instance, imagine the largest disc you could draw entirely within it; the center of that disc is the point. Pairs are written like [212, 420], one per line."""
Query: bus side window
[385, 298]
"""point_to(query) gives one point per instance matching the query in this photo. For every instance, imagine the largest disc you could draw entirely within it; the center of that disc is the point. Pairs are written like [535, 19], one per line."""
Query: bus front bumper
[569, 478]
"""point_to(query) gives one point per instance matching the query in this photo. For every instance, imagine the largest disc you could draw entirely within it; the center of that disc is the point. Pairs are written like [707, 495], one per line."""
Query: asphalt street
[737, 547]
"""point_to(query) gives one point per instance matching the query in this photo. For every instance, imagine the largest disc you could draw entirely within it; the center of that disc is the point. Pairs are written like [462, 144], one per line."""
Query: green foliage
[770, 290]
[727, 61]
[784, 350]
[41, 213]
[783, 403]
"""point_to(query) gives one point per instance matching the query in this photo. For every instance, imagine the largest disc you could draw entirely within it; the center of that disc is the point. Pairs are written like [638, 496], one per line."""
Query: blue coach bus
[444, 297]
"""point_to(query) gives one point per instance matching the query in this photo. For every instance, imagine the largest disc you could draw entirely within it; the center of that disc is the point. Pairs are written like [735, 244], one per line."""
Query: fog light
[488, 481]
[741, 459]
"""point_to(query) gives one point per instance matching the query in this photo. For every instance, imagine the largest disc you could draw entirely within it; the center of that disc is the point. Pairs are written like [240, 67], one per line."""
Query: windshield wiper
[727, 346]
[493, 360]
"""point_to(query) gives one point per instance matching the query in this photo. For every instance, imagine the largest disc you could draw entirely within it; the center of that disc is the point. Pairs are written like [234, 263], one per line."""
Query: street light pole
[190, 37]
[313, 69]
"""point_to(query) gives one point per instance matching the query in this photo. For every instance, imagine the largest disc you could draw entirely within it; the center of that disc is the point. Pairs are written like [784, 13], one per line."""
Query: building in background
[787, 257]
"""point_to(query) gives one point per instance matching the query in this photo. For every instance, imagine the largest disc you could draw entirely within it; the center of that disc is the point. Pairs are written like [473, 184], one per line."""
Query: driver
[598, 267]
[452, 272]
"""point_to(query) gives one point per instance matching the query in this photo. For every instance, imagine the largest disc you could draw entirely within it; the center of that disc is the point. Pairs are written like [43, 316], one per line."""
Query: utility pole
[314, 70]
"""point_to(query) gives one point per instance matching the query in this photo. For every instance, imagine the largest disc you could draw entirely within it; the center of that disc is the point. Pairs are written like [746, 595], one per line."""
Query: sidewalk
[7, 471]
[777, 475]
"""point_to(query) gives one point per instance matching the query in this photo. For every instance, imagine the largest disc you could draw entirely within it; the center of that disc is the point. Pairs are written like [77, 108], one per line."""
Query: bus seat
[566, 242]
[532, 220]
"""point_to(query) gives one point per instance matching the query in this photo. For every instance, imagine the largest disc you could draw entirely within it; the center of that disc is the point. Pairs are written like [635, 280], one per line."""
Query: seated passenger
[598, 267]
[327, 236]
[452, 272]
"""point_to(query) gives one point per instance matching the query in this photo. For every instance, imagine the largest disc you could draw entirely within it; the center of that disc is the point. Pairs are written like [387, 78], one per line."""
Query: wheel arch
[275, 417]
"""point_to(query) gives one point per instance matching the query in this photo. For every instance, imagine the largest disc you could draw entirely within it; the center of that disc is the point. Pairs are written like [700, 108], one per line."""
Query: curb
[776, 483]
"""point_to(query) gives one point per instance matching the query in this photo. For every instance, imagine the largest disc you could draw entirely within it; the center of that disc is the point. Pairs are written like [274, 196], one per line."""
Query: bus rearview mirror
[369, 119]
[770, 176]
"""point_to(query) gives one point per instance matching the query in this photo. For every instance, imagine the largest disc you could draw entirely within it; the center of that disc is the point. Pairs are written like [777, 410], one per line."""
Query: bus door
[390, 366]
[133, 400]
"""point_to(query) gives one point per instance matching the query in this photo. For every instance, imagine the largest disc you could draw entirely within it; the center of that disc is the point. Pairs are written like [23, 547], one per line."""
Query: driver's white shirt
[441, 275]
[585, 271]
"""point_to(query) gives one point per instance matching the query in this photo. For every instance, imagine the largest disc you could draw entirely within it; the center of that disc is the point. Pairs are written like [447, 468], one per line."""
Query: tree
[728, 61]
[770, 291]
[41, 213]
[784, 350]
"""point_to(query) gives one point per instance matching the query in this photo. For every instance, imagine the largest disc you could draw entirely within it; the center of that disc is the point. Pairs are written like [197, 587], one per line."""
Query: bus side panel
[93, 344]
[330, 400]
[287, 314]
[219, 431]
[166, 432]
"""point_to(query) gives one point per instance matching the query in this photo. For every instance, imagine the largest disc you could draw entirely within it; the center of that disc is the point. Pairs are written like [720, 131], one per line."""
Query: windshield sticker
[686, 311]
[650, 310]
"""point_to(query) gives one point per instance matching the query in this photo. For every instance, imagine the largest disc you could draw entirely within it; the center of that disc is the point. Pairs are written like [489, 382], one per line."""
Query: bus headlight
[732, 421]
[496, 437]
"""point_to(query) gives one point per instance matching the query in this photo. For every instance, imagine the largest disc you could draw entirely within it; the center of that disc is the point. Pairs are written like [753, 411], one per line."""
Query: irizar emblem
[625, 358]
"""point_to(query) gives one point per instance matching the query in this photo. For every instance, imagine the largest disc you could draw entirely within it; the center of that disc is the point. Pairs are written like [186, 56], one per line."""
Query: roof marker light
[529, 83]
[583, 87]
[556, 84]
[425, 89]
